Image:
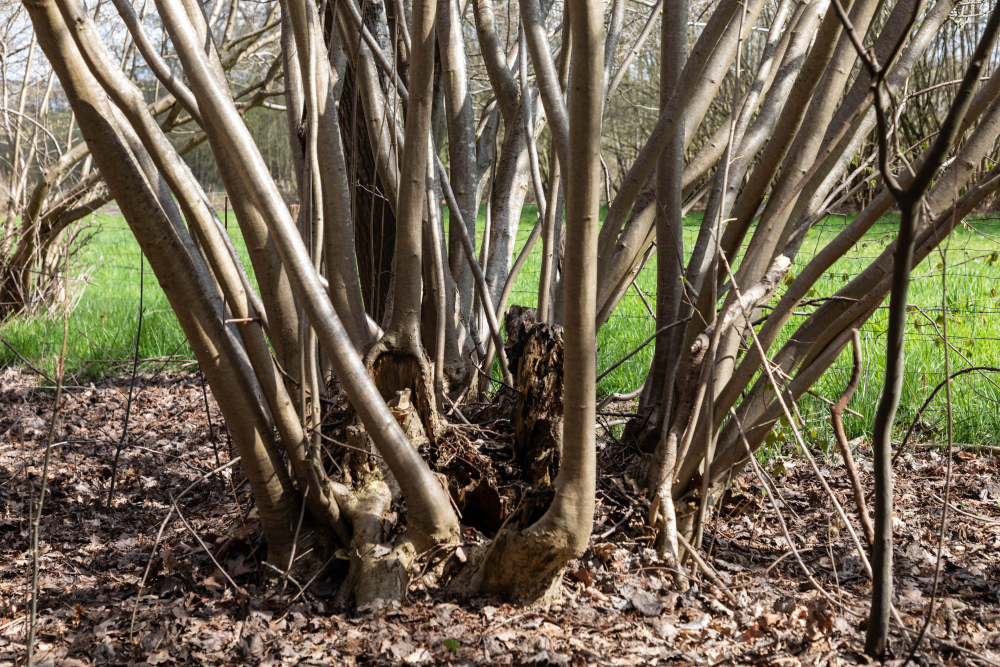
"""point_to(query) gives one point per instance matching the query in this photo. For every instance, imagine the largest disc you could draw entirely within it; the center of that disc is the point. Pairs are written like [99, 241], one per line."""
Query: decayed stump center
[535, 354]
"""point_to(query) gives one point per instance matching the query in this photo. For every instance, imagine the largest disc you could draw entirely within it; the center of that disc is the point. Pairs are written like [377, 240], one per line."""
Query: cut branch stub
[395, 374]
[537, 351]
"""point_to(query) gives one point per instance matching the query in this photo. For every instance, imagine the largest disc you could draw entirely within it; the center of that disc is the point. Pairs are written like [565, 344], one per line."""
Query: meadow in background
[104, 323]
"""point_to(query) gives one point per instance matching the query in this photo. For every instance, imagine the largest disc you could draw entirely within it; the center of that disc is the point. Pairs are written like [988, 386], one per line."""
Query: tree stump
[535, 353]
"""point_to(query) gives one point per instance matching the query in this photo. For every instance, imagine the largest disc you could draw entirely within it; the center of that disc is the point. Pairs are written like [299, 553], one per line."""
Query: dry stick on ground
[620, 398]
[204, 546]
[709, 572]
[37, 523]
[836, 414]
[947, 478]
[988, 521]
[163, 527]
[761, 477]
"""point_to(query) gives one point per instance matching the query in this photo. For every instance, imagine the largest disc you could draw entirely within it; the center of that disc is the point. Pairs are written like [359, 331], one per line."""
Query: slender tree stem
[477, 271]
[942, 531]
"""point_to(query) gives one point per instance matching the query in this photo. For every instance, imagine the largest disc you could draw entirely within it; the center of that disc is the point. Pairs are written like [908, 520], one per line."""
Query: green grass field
[102, 328]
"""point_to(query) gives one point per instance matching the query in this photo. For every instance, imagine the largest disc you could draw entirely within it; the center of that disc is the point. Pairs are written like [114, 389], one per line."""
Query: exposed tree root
[377, 571]
[522, 565]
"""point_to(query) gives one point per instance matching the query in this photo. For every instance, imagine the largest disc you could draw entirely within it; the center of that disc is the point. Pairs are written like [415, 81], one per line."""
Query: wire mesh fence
[116, 284]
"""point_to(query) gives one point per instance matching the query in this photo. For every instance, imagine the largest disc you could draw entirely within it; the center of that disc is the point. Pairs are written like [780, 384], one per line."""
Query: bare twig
[766, 365]
[641, 345]
[163, 527]
[204, 546]
[836, 413]
[781, 521]
[303, 589]
[295, 544]
[634, 51]
[927, 402]
[25, 361]
[131, 385]
[709, 572]
[477, 270]
[612, 529]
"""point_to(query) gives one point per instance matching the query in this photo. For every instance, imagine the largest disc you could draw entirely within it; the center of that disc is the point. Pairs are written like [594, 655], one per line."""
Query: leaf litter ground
[618, 607]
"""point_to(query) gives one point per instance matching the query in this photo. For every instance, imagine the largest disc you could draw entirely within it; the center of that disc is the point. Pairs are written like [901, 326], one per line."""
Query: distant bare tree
[48, 180]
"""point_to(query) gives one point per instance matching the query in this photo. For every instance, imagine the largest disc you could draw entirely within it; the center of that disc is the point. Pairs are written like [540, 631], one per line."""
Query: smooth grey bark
[156, 64]
[670, 237]
[775, 225]
[627, 251]
[778, 39]
[827, 331]
[660, 136]
[273, 282]
[553, 216]
[510, 177]
[504, 85]
[753, 139]
[647, 29]
[336, 235]
[431, 518]
[611, 41]
[717, 68]
[541, 548]
[482, 291]
[787, 120]
[463, 170]
[383, 131]
[222, 259]
[856, 229]
[153, 218]
[854, 120]
[528, 124]
[572, 509]
[441, 313]
[704, 255]
[552, 225]
[547, 76]
[511, 181]
[404, 328]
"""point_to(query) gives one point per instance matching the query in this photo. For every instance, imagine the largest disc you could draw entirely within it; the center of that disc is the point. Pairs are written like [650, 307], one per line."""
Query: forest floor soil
[617, 607]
